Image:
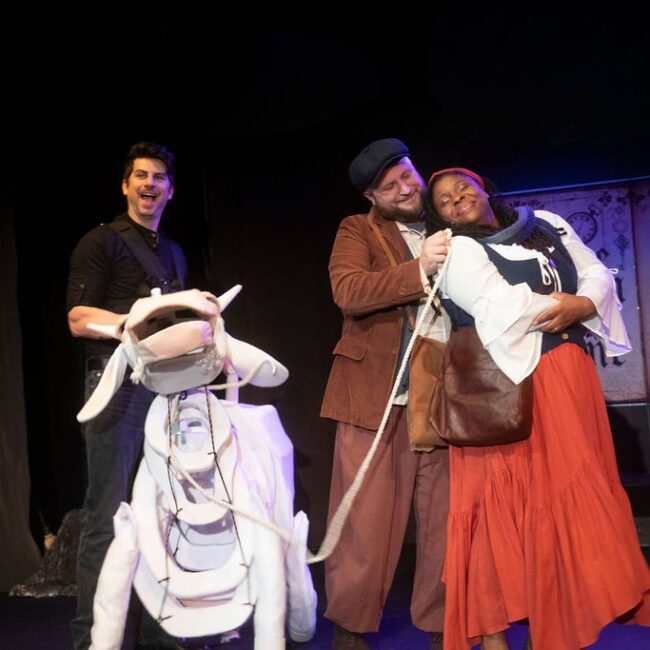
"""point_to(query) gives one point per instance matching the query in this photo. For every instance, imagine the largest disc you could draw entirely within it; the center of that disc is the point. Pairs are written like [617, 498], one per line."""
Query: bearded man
[380, 269]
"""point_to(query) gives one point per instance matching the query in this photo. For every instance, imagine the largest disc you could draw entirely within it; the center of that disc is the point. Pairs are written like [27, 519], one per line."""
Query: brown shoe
[435, 641]
[346, 640]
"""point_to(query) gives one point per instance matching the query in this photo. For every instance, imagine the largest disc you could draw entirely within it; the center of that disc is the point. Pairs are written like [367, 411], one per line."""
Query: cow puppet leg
[113, 592]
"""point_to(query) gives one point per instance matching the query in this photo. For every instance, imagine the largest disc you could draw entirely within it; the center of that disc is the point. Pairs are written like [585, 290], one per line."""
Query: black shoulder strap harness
[156, 274]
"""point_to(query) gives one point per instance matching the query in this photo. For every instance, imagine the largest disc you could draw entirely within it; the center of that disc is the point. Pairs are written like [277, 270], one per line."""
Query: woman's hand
[568, 310]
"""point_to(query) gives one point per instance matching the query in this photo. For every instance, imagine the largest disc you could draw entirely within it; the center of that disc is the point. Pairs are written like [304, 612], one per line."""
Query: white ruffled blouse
[504, 312]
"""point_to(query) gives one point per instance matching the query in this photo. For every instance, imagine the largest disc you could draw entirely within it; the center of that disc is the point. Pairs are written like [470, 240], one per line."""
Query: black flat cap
[368, 166]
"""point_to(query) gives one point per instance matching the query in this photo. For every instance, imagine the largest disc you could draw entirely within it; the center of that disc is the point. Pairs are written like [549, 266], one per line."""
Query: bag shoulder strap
[391, 258]
[144, 255]
[180, 263]
[393, 262]
[382, 240]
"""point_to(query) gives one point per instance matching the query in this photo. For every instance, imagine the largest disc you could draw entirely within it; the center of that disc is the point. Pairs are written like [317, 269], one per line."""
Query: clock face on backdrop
[584, 224]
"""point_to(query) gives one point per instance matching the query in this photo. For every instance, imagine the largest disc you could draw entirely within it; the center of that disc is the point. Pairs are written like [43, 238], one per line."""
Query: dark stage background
[264, 118]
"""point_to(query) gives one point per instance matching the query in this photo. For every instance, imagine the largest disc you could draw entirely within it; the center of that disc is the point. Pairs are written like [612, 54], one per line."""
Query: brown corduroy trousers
[360, 571]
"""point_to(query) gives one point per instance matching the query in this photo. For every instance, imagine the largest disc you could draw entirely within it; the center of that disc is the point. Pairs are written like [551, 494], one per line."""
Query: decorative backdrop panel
[603, 217]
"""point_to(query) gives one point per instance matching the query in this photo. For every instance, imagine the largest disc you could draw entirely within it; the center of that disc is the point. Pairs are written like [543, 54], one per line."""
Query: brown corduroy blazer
[372, 295]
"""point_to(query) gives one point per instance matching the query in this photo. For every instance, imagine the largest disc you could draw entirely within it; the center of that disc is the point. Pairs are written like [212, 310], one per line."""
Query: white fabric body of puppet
[200, 540]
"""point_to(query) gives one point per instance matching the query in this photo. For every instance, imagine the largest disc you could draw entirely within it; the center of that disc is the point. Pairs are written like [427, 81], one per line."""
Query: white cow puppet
[209, 536]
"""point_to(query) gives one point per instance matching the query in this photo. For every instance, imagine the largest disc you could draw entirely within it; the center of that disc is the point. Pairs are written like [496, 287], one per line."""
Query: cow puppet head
[175, 342]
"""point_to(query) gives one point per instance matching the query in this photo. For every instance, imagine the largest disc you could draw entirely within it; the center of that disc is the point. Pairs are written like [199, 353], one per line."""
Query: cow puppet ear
[245, 358]
[109, 384]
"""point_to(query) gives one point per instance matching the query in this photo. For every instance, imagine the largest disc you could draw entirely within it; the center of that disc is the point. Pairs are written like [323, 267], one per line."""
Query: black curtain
[19, 555]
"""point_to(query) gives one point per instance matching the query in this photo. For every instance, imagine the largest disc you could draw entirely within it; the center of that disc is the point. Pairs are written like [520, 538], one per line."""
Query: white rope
[178, 466]
[335, 527]
[242, 382]
[337, 522]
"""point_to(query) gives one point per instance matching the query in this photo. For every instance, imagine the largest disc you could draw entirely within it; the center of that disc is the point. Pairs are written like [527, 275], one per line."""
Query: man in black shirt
[112, 266]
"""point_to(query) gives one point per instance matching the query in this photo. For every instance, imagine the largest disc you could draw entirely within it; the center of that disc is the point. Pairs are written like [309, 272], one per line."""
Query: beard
[405, 214]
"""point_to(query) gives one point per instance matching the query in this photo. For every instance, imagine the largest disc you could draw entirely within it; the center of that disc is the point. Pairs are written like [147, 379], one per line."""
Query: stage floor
[43, 624]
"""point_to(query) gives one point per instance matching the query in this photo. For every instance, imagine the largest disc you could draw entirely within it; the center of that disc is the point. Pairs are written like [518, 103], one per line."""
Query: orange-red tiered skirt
[542, 529]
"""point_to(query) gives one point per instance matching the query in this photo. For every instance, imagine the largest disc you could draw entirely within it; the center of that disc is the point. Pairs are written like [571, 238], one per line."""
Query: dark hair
[505, 215]
[150, 150]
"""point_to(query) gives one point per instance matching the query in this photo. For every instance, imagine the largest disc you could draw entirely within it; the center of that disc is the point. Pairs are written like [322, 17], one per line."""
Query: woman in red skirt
[540, 529]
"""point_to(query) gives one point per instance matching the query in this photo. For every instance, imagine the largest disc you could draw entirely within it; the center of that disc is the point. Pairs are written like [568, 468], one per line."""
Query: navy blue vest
[528, 271]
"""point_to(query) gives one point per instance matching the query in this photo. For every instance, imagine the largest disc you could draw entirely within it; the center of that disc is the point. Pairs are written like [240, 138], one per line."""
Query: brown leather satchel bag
[424, 370]
[474, 403]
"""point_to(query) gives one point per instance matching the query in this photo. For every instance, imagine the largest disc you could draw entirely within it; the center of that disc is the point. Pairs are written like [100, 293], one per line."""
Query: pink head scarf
[458, 170]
